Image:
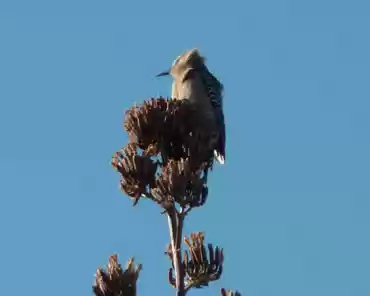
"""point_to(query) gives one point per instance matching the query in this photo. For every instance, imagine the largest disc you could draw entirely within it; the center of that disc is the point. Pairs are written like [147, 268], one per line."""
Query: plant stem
[175, 223]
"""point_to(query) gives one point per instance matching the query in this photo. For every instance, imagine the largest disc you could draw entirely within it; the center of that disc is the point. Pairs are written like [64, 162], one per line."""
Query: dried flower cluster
[172, 126]
[167, 161]
[114, 281]
[224, 292]
[174, 159]
[201, 268]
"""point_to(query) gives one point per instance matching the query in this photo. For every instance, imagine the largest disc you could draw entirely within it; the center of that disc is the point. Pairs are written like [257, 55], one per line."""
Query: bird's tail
[219, 157]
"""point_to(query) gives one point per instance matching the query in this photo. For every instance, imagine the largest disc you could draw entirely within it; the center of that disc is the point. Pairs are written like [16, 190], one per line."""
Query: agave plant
[167, 161]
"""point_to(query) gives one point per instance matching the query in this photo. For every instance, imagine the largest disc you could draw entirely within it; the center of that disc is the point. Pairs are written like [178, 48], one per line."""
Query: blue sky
[291, 207]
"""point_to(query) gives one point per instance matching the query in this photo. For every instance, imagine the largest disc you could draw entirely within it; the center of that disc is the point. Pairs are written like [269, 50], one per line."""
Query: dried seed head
[224, 292]
[146, 123]
[116, 281]
[177, 183]
[137, 171]
[201, 267]
[172, 125]
[166, 128]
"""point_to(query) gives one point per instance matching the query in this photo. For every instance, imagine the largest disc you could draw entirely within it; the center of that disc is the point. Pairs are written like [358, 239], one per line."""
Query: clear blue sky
[291, 207]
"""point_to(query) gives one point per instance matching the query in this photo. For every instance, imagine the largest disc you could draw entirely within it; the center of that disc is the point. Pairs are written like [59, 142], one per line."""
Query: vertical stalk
[175, 223]
[180, 277]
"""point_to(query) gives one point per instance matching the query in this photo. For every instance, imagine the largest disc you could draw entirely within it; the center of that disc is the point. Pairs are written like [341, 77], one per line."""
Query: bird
[193, 81]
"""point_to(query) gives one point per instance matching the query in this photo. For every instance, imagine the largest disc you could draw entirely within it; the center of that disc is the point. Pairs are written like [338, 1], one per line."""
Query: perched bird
[194, 82]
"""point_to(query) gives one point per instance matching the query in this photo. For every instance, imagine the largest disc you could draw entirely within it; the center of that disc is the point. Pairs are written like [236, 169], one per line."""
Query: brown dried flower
[146, 123]
[199, 269]
[178, 183]
[224, 292]
[114, 281]
[137, 171]
[172, 126]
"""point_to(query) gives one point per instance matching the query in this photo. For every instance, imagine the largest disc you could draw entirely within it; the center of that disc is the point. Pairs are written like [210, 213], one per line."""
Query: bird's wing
[215, 94]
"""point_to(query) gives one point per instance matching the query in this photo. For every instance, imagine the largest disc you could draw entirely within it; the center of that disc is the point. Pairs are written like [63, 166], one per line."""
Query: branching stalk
[162, 163]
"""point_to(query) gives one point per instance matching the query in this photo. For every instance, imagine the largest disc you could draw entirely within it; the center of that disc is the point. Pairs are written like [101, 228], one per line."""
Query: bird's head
[190, 60]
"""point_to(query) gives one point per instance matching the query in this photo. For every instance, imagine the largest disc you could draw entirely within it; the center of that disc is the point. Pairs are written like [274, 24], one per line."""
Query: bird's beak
[165, 73]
